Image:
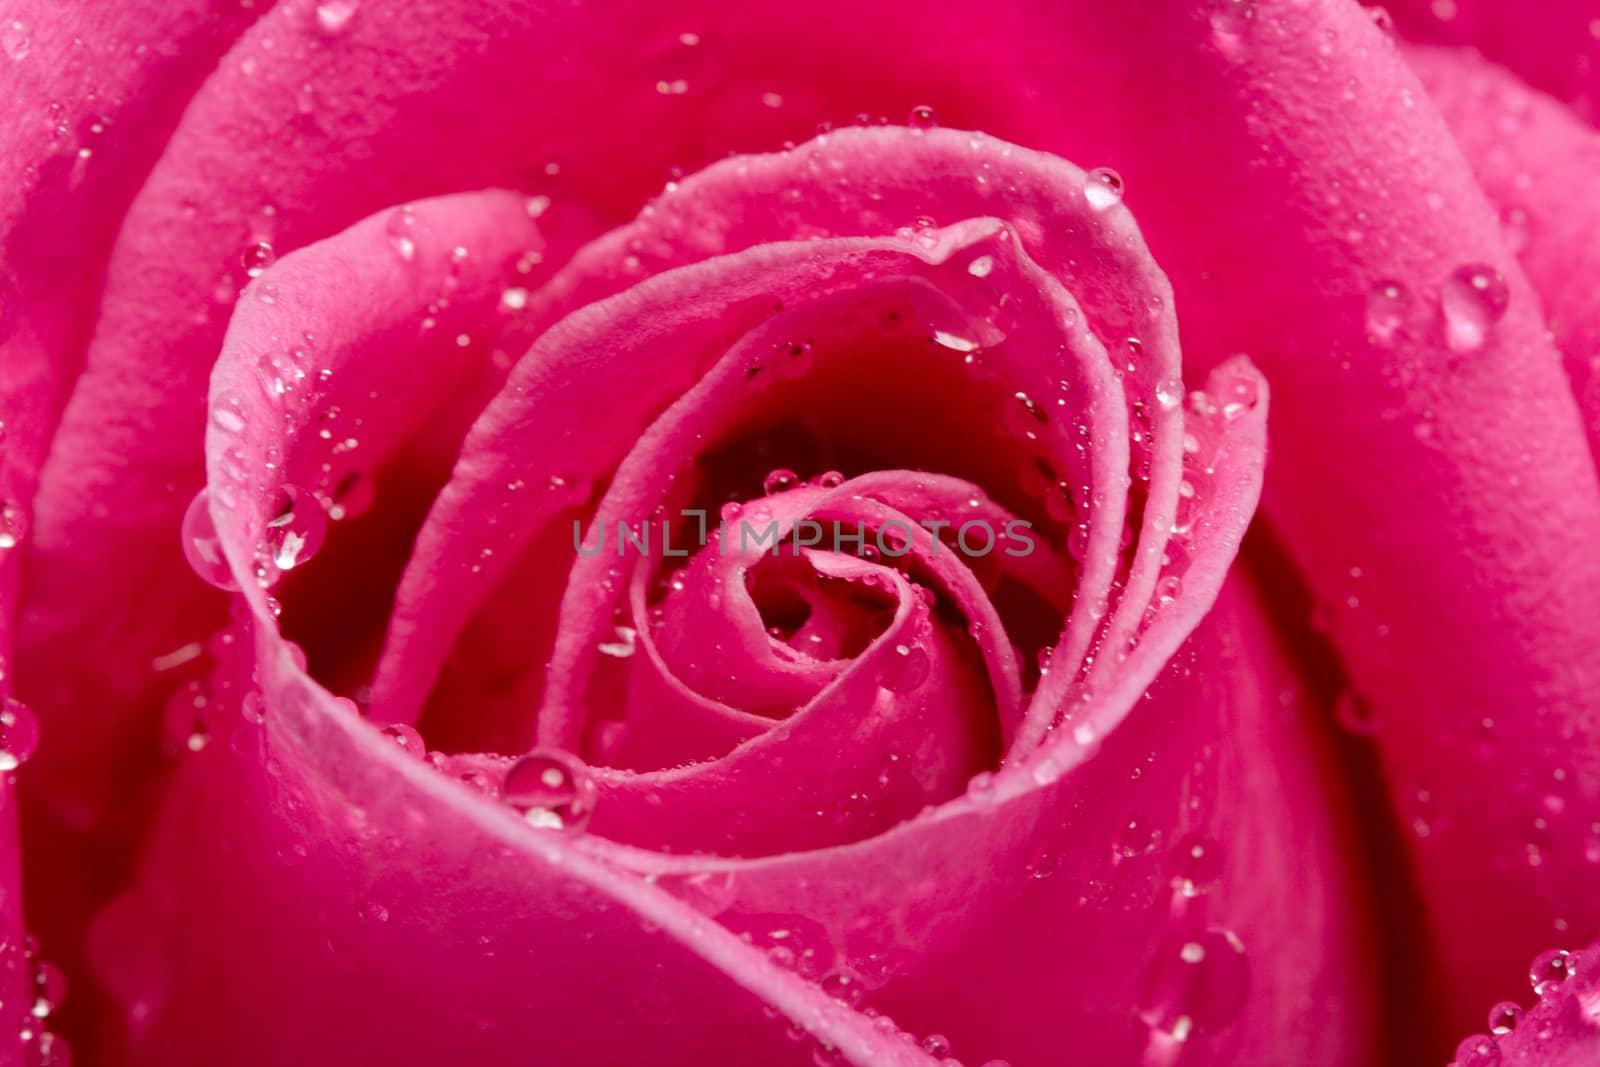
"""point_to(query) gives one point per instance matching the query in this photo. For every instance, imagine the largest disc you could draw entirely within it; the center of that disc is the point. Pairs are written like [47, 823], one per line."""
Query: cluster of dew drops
[1551, 975]
[19, 739]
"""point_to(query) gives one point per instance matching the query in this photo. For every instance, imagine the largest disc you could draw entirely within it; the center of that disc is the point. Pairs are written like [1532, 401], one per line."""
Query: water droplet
[904, 669]
[257, 258]
[552, 790]
[333, 16]
[16, 38]
[10, 525]
[400, 229]
[1549, 970]
[1386, 307]
[49, 989]
[623, 646]
[1102, 187]
[407, 738]
[1169, 392]
[1473, 300]
[830, 480]
[981, 266]
[843, 988]
[1196, 864]
[954, 342]
[936, 1045]
[202, 547]
[779, 480]
[1504, 1017]
[296, 529]
[1196, 981]
[228, 419]
[922, 118]
[1479, 1050]
[19, 734]
[1382, 19]
[1169, 588]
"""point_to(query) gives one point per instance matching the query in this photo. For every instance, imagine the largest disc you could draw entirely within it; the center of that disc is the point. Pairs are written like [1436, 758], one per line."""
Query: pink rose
[473, 603]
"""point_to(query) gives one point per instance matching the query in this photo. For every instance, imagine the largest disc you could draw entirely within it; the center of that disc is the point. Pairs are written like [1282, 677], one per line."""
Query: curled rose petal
[918, 675]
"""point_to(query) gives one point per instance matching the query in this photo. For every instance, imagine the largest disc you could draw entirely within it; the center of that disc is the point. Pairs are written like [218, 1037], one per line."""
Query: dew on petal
[1479, 1050]
[904, 669]
[922, 118]
[779, 480]
[1474, 298]
[1196, 864]
[49, 989]
[406, 738]
[1169, 392]
[1102, 187]
[552, 790]
[257, 258]
[400, 229]
[1387, 304]
[202, 547]
[19, 734]
[1549, 970]
[296, 529]
[1504, 1017]
[10, 525]
[622, 646]
[1196, 981]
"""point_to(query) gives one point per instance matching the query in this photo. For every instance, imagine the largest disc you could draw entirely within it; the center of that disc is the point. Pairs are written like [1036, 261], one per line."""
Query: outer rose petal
[1287, 187]
[1538, 164]
[82, 124]
[1555, 47]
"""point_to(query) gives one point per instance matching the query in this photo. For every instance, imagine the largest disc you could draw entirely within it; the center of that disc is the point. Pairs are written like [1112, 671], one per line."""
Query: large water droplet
[552, 790]
[1196, 981]
[257, 258]
[19, 734]
[296, 529]
[922, 118]
[1550, 970]
[201, 545]
[1387, 302]
[904, 668]
[1102, 187]
[1504, 1017]
[1473, 300]
[779, 480]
